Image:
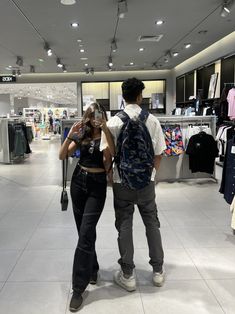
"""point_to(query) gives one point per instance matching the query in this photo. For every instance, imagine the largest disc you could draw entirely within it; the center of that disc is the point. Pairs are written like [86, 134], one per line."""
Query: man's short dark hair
[131, 89]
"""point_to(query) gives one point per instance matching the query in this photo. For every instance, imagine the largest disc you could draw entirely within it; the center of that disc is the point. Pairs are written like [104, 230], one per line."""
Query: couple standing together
[98, 143]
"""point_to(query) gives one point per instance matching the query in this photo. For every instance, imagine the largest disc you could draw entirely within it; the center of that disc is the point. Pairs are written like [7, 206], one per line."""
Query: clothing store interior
[58, 57]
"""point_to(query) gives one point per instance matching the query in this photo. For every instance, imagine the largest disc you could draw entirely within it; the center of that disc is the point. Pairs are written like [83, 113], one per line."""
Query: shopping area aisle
[37, 243]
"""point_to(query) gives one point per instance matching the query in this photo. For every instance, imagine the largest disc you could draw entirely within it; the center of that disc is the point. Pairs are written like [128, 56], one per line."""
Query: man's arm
[157, 161]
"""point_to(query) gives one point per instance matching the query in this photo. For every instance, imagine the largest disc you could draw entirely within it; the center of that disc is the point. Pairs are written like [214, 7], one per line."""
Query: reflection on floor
[37, 244]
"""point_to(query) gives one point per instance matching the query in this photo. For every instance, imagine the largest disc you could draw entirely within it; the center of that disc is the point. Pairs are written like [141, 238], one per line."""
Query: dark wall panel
[189, 85]
[180, 86]
[227, 71]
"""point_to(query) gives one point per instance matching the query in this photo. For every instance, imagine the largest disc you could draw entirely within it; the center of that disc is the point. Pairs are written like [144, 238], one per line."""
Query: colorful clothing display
[231, 103]
[173, 138]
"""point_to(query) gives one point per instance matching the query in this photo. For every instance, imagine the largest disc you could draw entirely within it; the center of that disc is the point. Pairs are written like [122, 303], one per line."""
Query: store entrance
[36, 109]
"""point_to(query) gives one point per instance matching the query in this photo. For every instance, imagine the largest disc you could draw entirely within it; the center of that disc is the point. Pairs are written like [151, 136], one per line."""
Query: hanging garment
[232, 208]
[11, 137]
[20, 143]
[223, 114]
[231, 103]
[173, 138]
[227, 186]
[202, 150]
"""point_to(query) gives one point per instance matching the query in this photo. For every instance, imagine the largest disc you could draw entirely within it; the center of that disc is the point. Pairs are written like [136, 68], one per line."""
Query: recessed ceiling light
[159, 22]
[40, 60]
[68, 2]
[187, 45]
[81, 45]
[82, 50]
[79, 40]
[141, 49]
[84, 58]
[86, 64]
[8, 68]
[131, 63]
[175, 54]
[74, 24]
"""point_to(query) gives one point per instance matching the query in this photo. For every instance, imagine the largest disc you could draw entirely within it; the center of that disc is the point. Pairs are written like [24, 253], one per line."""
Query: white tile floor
[37, 243]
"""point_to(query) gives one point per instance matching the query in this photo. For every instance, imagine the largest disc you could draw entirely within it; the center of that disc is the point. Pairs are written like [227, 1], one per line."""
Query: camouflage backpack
[135, 154]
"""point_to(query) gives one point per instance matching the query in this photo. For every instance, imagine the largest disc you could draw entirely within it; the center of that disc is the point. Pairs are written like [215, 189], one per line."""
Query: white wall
[5, 104]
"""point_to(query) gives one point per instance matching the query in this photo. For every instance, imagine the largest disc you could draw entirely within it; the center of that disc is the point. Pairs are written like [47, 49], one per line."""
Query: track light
[19, 61]
[48, 49]
[89, 71]
[59, 64]
[110, 62]
[32, 69]
[122, 8]
[68, 2]
[114, 45]
[226, 8]
[18, 73]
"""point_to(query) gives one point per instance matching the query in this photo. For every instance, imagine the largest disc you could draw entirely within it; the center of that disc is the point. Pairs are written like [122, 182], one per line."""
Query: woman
[88, 193]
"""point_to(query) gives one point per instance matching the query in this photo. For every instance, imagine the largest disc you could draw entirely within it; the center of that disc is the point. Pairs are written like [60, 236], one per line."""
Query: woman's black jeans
[88, 193]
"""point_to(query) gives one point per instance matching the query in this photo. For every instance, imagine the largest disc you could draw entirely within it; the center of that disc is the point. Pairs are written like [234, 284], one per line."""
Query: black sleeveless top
[90, 155]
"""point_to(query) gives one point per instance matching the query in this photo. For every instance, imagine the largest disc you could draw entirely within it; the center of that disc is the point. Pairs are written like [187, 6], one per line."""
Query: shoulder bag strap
[65, 172]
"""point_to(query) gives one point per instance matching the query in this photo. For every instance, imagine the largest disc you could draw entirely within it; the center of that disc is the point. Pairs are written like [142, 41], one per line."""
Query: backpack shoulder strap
[123, 116]
[143, 116]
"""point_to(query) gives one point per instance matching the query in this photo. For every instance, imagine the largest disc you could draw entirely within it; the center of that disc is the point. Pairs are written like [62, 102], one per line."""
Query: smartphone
[98, 114]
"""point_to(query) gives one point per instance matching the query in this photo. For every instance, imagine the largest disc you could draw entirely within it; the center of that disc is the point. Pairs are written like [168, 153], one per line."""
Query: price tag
[233, 150]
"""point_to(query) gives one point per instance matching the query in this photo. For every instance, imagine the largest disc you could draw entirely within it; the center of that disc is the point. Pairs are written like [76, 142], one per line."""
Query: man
[144, 198]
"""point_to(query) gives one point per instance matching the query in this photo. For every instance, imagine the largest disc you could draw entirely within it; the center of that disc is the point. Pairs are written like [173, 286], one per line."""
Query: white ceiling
[26, 24]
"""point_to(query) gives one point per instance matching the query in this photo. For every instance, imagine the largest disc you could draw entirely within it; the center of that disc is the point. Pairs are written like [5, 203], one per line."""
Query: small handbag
[64, 200]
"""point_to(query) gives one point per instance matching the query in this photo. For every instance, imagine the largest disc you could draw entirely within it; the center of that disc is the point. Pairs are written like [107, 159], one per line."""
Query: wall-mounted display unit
[109, 94]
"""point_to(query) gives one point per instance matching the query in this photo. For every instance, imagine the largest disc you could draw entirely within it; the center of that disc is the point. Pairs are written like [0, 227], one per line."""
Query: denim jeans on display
[88, 193]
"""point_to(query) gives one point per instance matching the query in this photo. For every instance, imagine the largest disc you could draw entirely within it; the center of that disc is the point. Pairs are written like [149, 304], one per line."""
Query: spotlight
[175, 54]
[110, 62]
[187, 45]
[18, 73]
[74, 24]
[64, 69]
[32, 69]
[48, 49]
[114, 45]
[122, 8]
[59, 64]
[159, 22]
[226, 8]
[19, 61]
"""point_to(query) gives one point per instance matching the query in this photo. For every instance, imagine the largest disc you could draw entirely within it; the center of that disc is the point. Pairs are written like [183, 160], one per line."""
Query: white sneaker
[158, 278]
[128, 284]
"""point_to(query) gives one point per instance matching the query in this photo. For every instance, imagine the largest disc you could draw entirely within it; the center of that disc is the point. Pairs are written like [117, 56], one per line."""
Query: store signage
[7, 79]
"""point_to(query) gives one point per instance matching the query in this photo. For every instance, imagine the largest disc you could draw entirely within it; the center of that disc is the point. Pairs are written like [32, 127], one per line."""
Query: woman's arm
[69, 145]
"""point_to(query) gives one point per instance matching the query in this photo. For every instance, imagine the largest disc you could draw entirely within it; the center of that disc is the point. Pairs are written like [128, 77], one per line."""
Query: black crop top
[90, 155]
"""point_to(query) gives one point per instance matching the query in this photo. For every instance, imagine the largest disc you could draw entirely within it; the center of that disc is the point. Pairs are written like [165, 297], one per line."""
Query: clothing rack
[232, 83]
[5, 155]
[72, 162]
[176, 168]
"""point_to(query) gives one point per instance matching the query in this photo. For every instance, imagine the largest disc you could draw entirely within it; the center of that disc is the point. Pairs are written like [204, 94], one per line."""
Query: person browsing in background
[139, 143]
[88, 193]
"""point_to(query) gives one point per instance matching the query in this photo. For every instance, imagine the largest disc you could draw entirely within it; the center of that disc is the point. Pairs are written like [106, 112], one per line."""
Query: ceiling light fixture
[40, 60]
[122, 8]
[74, 24]
[86, 64]
[226, 8]
[159, 22]
[131, 63]
[175, 54]
[114, 45]
[110, 61]
[79, 40]
[83, 58]
[68, 2]
[32, 69]
[19, 61]
[141, 49]
[59, 64]
[187, 45]
[82, 50]
[48, 49]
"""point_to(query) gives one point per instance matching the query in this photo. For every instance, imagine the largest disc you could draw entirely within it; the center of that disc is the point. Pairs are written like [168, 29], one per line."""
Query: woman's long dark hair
[89, 129]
